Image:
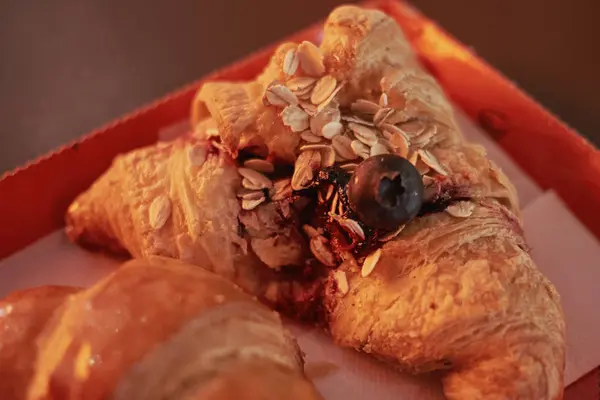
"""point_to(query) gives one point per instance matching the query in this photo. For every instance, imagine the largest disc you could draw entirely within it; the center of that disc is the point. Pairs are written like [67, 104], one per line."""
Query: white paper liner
[562, 248]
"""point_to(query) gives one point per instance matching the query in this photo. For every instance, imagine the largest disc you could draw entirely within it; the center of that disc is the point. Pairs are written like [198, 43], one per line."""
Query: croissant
[338, 188]
[153, 329]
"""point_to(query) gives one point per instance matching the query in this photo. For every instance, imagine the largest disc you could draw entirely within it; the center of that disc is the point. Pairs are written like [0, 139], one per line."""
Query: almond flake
[248, 194]
[319, 248]
[310, 137]
[350, 225]
[413, 128]
[349, 167]
[301, 83]
[311, 59]
[378, 149]
[248, 184]
[256, 178]
[306, 163]
[383, 100]
[370, 262]
[395, 117]
[341, 281]
[290, 62]
[260, 165]
[313, 146]
[362, 106]
[296, 118]
[159, 211]
[431, 161]
[322, 118]
[323, 88]
[330, 99]
[365, 134]
[343, 146]
[355, 119]
[252, 204]
[360, 149]
[382, 115]
[279, 95]
[282, 189]
[399, 144]
[461, 209]
[332, 129]
[327, 157]
[391, 235]
[197, 155]
[308, 107]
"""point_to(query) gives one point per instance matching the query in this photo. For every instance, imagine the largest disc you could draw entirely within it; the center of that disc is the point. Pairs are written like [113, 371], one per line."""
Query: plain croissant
[155, 329]
[259, 190]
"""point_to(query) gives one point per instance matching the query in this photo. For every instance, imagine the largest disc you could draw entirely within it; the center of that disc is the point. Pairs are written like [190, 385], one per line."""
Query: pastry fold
[454, 290]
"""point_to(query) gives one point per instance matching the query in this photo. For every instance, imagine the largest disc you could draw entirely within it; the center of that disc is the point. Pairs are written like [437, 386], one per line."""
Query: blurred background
[69, 66]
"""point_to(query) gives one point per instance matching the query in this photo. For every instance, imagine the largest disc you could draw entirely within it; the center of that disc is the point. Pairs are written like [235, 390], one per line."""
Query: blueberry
[385, 191]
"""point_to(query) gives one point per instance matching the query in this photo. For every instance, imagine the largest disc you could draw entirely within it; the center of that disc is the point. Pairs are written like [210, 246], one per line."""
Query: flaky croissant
[155, 329]
[415, 255]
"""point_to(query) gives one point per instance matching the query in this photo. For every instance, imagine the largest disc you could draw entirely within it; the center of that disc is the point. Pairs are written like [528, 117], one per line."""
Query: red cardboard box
[33, 199]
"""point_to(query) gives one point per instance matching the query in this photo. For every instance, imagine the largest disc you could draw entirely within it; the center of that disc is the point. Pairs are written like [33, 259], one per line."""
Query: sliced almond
[306, 163]
[308, 107]
[256, 178]
[279, 95]
[413, 128]
[370, 262]
[395, 117]
[248, 184]
[343, 146]
[323, 88]
[197, 155]
[322, 118]
[461, 209]
[321, 251]
[311, 59]
[159, 211]
[290, 62]
[248, 194]
[252, 204]
[378, 149]
[391, 235]
[260, 165]
[350, 225]
[399, 144]
[432, 162]
[355, 119]
[331, 98]
[282, 189]
[342, 282]
[383, 100]
[314, 146]
[363, 133]
[310, 137]
[301, 83]
[296, 118]
[360, 149]
[332, 129]
[362, 106]
[327, 157]
[382, 115]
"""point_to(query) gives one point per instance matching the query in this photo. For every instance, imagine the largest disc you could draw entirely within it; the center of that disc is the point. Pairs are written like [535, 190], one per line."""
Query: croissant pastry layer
[338, 188]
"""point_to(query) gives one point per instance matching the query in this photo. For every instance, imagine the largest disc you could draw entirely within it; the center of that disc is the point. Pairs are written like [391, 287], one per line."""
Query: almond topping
[252, 204]
[383, 100]
[301, 83]
[160, 211]
[290, 62]
[332, 129]
[279, 95]
[461, 209]
[324, 87]
[361, 106]
[341, 281]
[432, 162]
[311, 59]
[363, 133]
[296, 118]
[260, 165]
[360, 149]
[343, 146]
[370, 263]
[256, 178]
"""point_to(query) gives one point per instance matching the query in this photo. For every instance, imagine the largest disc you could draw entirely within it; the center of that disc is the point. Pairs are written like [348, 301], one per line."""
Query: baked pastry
[153, 329]
[338, 188]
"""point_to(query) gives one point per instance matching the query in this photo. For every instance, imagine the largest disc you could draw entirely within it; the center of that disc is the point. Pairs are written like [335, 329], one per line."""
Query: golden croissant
[153, 329]
[338, 188]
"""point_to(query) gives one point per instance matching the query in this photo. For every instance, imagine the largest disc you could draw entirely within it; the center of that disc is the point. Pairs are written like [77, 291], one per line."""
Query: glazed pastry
[338, 188]
[155, 329]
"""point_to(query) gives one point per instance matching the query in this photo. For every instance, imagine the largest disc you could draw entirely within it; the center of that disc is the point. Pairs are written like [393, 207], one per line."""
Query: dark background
[68, 66]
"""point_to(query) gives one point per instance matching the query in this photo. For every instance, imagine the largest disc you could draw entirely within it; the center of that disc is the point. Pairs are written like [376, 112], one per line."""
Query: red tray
[33, 199]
